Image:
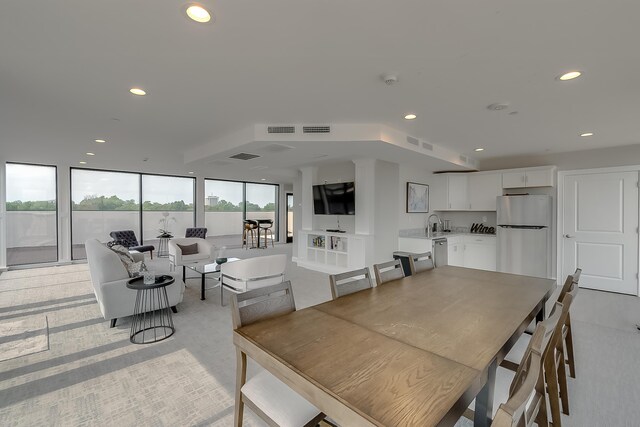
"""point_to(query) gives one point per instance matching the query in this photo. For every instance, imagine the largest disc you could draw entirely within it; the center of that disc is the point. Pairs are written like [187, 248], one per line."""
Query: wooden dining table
[412, 352]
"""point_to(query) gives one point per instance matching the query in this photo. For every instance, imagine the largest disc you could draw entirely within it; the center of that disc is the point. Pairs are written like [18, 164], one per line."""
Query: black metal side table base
[151, 321]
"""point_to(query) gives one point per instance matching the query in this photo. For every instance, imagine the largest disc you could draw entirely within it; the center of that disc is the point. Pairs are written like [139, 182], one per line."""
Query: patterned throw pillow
[132, 267]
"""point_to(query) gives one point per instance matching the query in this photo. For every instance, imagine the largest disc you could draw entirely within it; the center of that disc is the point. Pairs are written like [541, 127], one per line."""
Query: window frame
[55, 167]
[140, 211]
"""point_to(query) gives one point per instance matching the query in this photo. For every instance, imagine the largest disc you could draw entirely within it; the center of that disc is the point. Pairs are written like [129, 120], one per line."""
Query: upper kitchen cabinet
[529, 177]
[455, 192]
[483, 190]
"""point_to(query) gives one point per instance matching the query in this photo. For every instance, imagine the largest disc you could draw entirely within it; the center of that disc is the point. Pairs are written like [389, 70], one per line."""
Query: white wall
[421, 176]
[387, 178]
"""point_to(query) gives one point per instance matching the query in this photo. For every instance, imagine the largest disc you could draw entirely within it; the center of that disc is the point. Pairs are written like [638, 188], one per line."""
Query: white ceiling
[66, 67]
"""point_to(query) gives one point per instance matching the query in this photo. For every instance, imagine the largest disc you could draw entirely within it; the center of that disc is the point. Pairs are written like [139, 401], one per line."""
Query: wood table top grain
[404, 353]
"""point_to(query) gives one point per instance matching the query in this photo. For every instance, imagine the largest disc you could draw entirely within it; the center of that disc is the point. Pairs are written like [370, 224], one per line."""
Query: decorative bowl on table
[221, 260]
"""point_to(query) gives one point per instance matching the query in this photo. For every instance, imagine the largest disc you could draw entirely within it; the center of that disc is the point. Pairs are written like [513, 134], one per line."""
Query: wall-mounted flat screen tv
[334, 199]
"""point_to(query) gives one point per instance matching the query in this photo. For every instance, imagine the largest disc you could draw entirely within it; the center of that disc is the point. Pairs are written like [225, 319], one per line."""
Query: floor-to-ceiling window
[262, 202]
[32, 230]
[106, 201]
[228, 203]
[167, 206]
[102, 202]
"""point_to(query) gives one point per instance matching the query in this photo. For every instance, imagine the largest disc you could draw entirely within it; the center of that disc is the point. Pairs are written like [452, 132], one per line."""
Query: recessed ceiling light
[479, 149]
[570, 75]
[137, 91]
[82, 163]
[587, 134]
[100, 141]
[190, 173]
[91, 154]
[410, 116]
[263, 179]
[198, 13]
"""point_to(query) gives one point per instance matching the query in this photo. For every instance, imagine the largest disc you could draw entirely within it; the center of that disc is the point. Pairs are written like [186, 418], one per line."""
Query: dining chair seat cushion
[279, 402]
[189, 249]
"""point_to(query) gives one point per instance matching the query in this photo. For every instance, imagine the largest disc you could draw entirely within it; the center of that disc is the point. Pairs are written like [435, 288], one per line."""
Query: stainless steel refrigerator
[524, 235]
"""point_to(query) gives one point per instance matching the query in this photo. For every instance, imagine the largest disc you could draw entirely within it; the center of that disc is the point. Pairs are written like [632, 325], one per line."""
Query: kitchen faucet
[429, 229]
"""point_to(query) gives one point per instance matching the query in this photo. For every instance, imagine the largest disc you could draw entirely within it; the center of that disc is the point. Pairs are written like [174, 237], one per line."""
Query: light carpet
[22, 337]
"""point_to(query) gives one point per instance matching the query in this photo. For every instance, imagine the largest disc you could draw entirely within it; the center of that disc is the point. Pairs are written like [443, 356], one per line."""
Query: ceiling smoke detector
[390, 79]
[498, 106]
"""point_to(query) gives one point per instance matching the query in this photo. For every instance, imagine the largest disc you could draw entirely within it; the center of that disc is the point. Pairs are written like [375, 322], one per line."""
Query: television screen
[334, 199]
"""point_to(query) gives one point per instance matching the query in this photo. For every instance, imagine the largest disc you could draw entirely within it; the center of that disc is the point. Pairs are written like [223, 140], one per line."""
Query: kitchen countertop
[420, 234]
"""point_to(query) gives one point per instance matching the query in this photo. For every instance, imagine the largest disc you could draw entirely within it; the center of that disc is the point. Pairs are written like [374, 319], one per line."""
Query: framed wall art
[417, 198]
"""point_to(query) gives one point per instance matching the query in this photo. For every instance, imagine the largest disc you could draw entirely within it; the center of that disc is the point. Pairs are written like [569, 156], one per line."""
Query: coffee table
[204, 268]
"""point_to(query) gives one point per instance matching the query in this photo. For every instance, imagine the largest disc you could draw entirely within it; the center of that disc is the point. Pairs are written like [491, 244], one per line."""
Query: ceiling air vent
[281, 129]
[413, 141]
[244, 156]
[427, 146]
[316, 129]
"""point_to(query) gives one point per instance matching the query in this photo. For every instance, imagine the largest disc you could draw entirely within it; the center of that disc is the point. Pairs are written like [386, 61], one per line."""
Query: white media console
[331, 252]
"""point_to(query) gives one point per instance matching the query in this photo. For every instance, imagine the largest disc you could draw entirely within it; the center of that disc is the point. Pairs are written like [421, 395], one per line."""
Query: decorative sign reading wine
[482, 229]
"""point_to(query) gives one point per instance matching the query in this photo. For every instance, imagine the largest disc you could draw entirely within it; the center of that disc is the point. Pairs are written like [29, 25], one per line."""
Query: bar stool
[266, 226]
[248, 228]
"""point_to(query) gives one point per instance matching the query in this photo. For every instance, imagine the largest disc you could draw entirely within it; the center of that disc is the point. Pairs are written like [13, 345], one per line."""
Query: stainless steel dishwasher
[440, 252]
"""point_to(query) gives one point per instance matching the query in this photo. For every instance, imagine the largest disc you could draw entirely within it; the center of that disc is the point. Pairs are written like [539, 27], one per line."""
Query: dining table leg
[202, 287]
[483, 413]
[541, 314]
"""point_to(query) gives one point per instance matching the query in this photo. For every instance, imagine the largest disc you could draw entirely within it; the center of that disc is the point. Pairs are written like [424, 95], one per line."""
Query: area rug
[22, 337]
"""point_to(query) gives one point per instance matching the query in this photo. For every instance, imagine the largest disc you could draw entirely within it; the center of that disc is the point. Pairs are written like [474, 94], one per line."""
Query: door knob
[568, 236]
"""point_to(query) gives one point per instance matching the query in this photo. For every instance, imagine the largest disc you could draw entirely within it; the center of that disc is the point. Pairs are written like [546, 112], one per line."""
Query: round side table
[152, 320]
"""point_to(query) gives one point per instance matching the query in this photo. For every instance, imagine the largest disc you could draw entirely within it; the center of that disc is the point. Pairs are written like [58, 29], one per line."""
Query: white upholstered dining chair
[266, 395]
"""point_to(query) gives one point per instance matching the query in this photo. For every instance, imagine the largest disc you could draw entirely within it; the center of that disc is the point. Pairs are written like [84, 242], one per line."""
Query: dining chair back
[352, 281]
[566, 331]
[388, 271]
[200, 232]
[261, 304]
[266, 395]
[555, 361]
[421, 262]
[525, 405]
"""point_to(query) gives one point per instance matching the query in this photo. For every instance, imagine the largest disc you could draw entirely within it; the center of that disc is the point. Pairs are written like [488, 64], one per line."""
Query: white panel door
[599, 229]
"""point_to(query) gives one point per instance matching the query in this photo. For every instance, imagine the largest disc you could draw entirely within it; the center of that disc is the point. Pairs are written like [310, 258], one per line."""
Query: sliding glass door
[32, 220]
[229, 203]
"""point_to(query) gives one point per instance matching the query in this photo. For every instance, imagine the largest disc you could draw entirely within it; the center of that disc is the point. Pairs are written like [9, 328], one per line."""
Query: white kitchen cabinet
[455, 254]
[472, 252]
[456, 192]
[480, 252]
[483, 190]
[523, 178]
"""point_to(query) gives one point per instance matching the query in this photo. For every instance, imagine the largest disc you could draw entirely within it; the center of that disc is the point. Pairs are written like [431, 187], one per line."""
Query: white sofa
[206, 252]
[251, 273]
[109, 278]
